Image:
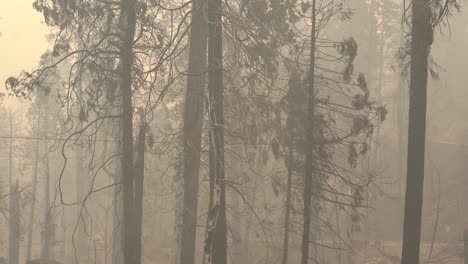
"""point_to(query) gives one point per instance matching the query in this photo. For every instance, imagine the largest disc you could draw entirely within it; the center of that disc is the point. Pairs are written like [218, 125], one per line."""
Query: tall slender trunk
[239, 241]
[81, 176]
[128, 25]
[248, 232]
[216, 241]
[294, 86]
[10, 179]
[80, 245]
[309, 167]
[193, 117]
[139, 181]
[63, 254]
[372, 43]
[117, 208]
[380, 84]
[106, 230]
[435, 229]
[47, 238]
[420, 48]
[105, 152]
[34, 189]
[211, 175]
[10, 160]
[14, 245]
[465, 246]
[401, 106]
[288, 204]
[13, 234]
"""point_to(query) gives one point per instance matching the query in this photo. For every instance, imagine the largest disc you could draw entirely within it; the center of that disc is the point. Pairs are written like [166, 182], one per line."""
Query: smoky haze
[240, 132]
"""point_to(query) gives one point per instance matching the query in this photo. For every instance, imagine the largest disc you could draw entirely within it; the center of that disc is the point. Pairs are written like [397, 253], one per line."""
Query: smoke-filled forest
[233, 131]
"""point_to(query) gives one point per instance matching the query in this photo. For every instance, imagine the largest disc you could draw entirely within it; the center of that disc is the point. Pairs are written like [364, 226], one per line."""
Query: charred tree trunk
[193, 117]
[309, 166]
[422, 36]
[127, 27]
[139, 181]
[34, 190]
[216, 241]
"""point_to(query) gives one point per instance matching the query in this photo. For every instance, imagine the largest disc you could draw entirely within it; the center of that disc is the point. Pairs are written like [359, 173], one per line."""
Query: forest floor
[389, 253]
[370, 253]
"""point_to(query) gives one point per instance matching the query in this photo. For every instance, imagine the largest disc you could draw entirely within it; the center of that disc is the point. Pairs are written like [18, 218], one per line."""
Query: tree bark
[127, 26]
[216, 241]
[309, 167]
[193, 117]
[420, 48]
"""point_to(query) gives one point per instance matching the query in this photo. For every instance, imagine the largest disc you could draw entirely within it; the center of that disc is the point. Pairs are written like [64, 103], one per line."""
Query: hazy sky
[23, 37]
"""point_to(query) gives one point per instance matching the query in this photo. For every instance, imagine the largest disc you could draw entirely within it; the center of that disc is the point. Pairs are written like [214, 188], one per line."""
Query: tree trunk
[81, 176]
[117, 208]
[117, 225]
[401, 106]
[465, 246]
[14, 245]
[293, 85]
[288, 205]
[216, 241]
[139, 181]
[380, 84]
[128, 24]
[13, 259]
[239, 242]
[434, 230]
[421, 42]
[80, 246]
[63, 254]
[193, 117]
[105, 151]
[309, 167]
[34, 190]
[47, 237]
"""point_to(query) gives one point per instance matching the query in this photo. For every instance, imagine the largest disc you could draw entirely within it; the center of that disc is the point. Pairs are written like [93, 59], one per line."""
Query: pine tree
[193, 116]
